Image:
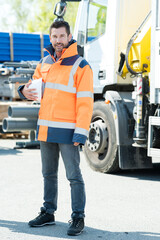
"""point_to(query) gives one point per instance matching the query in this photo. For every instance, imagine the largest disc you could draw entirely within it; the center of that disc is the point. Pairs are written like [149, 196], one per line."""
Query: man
[64, 118]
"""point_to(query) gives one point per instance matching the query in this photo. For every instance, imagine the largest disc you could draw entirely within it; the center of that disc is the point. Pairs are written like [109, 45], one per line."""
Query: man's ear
[50, 38]
[70, 37]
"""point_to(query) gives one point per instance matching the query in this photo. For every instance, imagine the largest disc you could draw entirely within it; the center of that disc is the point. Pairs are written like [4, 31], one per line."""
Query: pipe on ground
[11, 124]
[24, 111]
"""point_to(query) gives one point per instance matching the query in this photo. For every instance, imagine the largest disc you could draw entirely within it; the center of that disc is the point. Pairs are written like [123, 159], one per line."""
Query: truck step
[154, 121]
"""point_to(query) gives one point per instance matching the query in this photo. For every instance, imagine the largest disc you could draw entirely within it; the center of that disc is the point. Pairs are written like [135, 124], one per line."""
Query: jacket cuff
[79, 138]
[20, 88]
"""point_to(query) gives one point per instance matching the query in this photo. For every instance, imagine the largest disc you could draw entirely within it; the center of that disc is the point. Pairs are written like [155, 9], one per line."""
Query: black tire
[105, 161]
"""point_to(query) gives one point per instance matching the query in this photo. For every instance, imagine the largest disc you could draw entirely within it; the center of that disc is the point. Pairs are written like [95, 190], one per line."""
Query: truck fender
[130, 157]
[122, 112]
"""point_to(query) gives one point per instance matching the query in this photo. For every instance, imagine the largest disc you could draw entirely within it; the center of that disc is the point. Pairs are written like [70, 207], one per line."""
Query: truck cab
[103, 28]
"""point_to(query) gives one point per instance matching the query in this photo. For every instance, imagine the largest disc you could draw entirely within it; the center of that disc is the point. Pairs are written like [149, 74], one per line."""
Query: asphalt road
[119, 207]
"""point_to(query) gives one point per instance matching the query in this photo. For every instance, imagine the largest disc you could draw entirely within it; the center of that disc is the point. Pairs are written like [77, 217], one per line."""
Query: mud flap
[133, 158]
[130, 157]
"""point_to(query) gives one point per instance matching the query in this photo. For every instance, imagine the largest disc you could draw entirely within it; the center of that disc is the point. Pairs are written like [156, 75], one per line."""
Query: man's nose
[58, 40]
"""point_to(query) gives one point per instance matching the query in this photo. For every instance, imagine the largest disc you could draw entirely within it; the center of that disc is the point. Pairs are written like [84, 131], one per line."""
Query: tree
[44, 16]
[19, 11]
[21, 17]
[71, 14]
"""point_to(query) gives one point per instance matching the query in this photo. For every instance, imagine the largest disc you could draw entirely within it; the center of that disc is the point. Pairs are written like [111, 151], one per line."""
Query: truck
[121, 41]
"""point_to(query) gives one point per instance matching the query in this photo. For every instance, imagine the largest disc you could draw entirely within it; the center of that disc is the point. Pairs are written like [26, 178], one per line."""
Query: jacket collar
[69, 51]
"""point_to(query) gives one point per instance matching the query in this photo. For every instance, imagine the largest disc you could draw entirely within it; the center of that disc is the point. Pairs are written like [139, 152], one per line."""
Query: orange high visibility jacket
[67, 103]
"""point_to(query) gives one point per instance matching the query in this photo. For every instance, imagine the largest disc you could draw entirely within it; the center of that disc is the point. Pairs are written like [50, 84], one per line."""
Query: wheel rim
[98, 138]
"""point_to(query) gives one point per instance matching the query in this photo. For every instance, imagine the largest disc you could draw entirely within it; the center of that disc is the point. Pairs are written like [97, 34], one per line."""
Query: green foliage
[34, 15]
[20, 9]
[44, 15]
[71, 14]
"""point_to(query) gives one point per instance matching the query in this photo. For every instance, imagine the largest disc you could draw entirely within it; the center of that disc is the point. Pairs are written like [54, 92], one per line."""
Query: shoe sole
[44, 224]
[74, 234]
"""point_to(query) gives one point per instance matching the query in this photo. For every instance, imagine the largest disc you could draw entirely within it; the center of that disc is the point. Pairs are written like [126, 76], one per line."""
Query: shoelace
[75, 222]
[40, 215]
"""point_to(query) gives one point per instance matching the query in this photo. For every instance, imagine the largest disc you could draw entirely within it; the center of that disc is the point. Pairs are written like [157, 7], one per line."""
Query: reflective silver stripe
[81, 131]
[43, 87]
[56, 124]
[84, 94]
[73, 71]
[60, 87]
[44, 60]
[69, 87]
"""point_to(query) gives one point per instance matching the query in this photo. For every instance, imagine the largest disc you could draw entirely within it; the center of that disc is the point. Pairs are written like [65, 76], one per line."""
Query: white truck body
[103, 52]
[121, 41]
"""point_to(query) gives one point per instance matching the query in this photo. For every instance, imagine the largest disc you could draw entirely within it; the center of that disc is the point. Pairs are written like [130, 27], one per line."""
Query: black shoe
[76, 226]
[42, 219]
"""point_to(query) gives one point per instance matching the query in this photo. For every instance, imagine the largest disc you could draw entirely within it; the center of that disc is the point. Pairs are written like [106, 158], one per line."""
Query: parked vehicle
[121, 40]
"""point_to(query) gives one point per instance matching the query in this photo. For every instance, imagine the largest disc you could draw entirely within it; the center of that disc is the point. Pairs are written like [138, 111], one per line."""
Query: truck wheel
[101, 149]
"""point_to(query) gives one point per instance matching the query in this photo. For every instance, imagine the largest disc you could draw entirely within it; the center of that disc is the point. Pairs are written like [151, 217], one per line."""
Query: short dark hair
[58, 24]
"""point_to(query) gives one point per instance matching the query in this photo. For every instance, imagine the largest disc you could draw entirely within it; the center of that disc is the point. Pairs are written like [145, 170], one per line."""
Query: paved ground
[119, 207]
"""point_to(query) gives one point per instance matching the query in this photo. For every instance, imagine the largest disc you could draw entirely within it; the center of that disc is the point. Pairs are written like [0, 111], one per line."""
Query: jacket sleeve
[19, 90]
[84, 101]
[37, 73]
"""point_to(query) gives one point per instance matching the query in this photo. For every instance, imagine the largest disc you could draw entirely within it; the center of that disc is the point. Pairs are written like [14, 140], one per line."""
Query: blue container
[26, 47]
[46, 41]
[4, 47]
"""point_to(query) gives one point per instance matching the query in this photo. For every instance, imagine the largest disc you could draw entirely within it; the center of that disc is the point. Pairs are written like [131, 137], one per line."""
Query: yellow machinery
[137, 56]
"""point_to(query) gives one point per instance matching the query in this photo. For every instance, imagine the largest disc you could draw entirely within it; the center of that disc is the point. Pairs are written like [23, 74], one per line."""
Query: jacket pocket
[65, 106]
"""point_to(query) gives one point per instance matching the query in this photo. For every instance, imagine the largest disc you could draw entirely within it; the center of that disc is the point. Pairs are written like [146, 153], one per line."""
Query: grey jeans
[50, 159]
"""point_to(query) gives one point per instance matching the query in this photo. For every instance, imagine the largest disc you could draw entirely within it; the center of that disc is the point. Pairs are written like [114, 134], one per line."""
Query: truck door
[95, 41]
[90, 29]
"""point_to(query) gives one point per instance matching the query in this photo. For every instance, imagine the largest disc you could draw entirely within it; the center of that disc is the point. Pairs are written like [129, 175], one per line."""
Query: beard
[59, 47]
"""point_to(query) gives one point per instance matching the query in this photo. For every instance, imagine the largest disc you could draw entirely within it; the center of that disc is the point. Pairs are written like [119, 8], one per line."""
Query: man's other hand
[76, 144]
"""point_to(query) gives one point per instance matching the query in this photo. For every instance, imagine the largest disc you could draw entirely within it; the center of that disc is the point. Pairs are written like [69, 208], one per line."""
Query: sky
[4, 11]
[7, 14]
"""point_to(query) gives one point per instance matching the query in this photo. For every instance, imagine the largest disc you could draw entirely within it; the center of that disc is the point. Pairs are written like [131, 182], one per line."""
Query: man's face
[59, 38]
